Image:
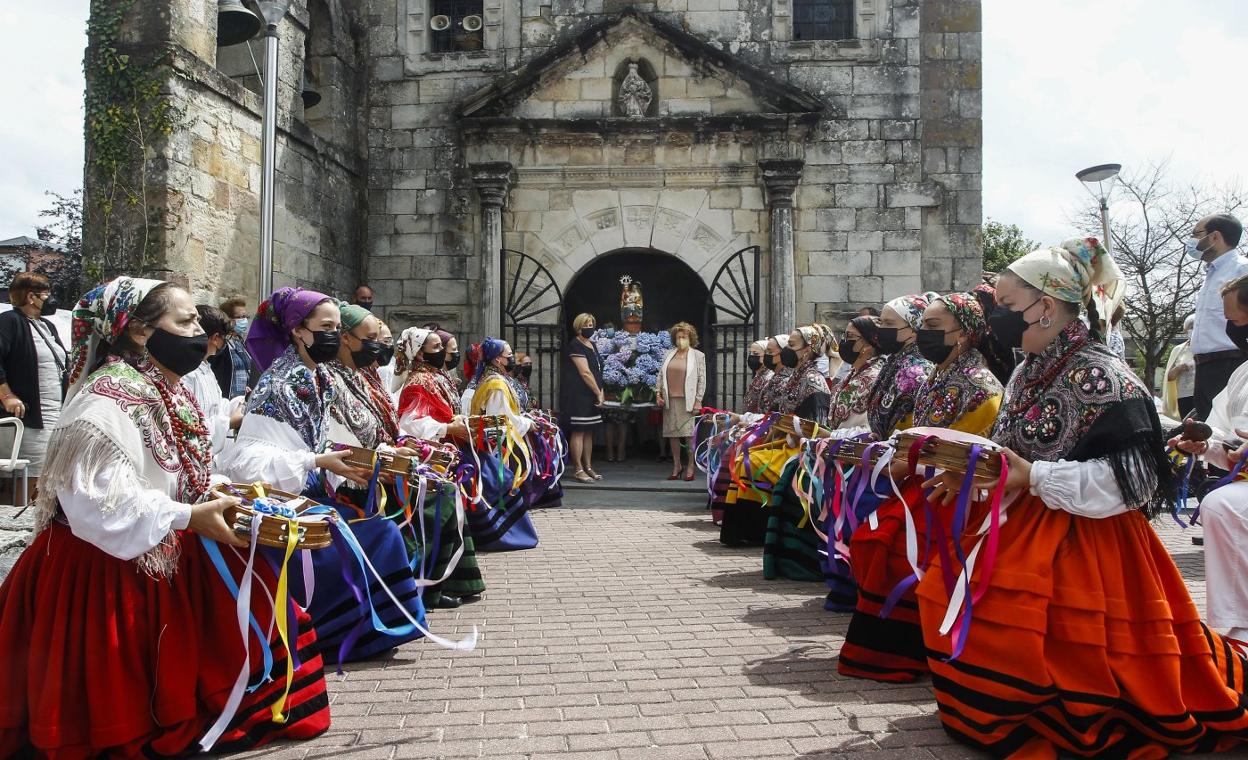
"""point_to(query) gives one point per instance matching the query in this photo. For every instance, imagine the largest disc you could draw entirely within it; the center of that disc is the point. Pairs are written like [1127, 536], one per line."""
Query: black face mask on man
[932, 346]
[324, 345]
[1238, 335]
[180, 354]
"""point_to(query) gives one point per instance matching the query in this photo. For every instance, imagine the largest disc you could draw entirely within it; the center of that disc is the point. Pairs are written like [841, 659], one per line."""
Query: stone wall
[204, 178]
[887, 203]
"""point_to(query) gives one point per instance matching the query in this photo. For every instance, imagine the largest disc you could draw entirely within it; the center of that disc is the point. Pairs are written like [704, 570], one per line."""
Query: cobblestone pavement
[630, 632]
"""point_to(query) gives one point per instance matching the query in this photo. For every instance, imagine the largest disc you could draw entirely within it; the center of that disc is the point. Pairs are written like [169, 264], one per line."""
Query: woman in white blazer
[682, 384]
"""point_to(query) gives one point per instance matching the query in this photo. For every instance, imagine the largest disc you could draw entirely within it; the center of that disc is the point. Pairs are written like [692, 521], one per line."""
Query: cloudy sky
[1067, 84]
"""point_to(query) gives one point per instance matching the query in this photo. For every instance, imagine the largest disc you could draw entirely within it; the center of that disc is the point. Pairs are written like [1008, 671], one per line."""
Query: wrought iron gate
[732, 317]
[532, 312]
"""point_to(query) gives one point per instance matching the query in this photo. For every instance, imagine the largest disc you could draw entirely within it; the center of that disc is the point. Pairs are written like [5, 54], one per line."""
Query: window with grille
[463, 21]
[823, 19]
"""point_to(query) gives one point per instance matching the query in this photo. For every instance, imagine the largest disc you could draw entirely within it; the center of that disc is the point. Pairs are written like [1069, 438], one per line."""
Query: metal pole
[268, 159]
[1105, 226]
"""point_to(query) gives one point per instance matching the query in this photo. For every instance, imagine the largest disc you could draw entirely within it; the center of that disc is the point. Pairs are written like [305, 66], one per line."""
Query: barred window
[823, 19]
[455, 25]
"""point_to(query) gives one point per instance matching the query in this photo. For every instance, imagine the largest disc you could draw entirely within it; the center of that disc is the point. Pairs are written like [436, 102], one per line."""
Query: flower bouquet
[631, 363]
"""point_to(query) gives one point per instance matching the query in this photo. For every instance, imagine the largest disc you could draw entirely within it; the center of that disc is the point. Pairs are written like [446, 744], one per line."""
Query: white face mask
[1191, 247]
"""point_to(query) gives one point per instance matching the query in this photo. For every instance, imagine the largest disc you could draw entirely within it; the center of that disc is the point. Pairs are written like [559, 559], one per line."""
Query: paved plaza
[631, 633]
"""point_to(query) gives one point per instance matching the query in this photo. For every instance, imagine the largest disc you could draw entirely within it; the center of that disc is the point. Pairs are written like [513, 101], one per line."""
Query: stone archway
[673, 291]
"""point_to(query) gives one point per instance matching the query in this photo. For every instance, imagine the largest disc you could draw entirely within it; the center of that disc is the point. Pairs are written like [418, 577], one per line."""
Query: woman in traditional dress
[790, 546]
[859, 350]
[144, 654]
[502, 522]
[962, 394]
[779, 373]
[292, 416]
[890, 406]
[427, 406]
[760, 375]
[1080, 635]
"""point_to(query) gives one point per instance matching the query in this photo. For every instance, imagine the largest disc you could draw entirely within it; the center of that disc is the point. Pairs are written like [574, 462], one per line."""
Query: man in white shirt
[220, 414]
[1224, 511]
[1213, 241]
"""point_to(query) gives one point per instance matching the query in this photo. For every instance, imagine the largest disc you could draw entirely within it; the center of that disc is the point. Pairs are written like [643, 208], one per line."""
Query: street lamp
[1099, 175]
[273, 11]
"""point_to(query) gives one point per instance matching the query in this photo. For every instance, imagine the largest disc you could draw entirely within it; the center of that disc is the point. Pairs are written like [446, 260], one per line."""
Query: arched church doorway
[671, 290]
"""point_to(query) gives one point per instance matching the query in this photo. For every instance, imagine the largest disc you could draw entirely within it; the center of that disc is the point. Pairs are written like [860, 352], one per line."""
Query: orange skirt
[1085, 641]
[876, 647]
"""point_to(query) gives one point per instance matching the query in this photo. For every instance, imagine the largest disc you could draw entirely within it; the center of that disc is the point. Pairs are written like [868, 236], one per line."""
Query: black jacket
[19, 363]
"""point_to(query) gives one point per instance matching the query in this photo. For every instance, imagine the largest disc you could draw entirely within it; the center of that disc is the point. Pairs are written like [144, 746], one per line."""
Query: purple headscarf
[491, 349]
[285, 310]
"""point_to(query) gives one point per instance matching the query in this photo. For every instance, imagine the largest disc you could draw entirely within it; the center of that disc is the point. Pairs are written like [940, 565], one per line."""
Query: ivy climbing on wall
[128, 115]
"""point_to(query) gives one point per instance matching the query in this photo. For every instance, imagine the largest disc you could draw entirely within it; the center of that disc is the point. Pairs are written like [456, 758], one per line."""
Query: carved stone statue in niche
[635, 94]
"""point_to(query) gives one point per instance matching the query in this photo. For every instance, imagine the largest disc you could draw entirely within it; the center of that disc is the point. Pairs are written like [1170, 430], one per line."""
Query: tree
[64, 229]
[1003, 245]
[1152, 216]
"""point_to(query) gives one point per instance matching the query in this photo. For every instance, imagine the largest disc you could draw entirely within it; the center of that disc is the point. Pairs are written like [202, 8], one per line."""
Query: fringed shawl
[951, 393]
[850, 394]
[1078, 401]
[370, 416]
[770, 396]
[119, 417]
[893, 397]
[292, 393]
[805, 381]
[754, 394]
[429, 392]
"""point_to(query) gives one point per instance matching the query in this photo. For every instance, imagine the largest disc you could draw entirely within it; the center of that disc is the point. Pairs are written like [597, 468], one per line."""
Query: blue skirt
[502, 523]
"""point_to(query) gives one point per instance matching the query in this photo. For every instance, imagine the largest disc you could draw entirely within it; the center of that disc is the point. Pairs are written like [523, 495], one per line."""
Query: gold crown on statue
[631, 302]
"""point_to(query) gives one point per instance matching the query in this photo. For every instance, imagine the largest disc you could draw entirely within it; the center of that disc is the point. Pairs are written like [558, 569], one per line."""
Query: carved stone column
[780, 177]
[492, 179]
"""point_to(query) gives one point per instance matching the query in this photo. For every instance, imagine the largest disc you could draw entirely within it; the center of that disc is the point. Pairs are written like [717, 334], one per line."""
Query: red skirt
[100, 659]
[885, 648]
[1086, 641]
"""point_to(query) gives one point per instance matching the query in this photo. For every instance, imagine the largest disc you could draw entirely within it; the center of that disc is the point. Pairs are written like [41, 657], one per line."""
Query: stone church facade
[837, 143]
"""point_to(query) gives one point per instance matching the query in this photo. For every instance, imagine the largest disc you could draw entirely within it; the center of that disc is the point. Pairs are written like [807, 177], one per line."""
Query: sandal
[581, 477]
[689, 478]
[674, 476]
[593, 475]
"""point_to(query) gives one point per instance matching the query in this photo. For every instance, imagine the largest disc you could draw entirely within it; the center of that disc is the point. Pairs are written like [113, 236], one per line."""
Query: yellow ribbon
[280, 604]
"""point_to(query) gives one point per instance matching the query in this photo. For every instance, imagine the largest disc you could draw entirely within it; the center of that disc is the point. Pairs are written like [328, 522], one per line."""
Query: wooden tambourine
[851, 452]
[313, 530]
[952, 456]
[802, 428]
[391, 464]
[491, 426]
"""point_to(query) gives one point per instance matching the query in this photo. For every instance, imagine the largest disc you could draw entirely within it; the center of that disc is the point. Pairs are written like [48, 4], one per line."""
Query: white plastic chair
[12, 465]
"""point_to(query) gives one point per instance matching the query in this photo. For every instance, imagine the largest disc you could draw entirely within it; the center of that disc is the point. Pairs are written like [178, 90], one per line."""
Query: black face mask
[932, 346]
[386, 355]
[587, 332]
[847, 351]
[438, 360]
[769, 361]
[49, 307]
[324, 345]
[753, 362]
[365, 305]
[524, 371]
[370, 351]
[788, 357]
[889, 342]
[1238, 336]
[511, 363]
[180, 354]
[1008, 326]
[452, 360]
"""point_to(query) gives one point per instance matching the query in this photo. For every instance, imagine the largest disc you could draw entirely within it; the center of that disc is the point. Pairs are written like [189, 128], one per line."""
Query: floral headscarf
[967, 311]
[102, 315]
[819, 337]
[1068, 272]
[285, 310]
[406, 352]
[910, 308]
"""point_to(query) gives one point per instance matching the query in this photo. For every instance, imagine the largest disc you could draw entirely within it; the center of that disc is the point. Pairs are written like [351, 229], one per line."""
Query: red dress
[101, 659]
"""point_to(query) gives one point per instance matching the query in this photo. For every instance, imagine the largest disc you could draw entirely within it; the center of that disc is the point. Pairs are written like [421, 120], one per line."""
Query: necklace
[1033, 388]
[191, 439]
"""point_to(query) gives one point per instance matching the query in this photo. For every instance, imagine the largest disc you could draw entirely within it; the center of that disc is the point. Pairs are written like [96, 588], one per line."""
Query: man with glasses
[1213, 241]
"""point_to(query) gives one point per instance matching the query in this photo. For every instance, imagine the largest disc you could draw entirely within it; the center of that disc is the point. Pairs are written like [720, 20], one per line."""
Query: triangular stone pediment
[681, 76]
